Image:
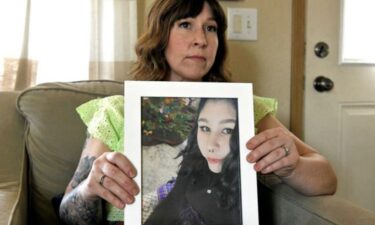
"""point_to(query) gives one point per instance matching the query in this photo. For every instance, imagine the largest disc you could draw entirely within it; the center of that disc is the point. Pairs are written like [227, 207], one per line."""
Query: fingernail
[256, 167]
[134, 191]
[132, 173]
[122, 205]
[130, 199]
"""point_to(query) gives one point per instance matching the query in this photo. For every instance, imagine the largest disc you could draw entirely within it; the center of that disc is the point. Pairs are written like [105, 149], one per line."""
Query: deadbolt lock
[321, 49]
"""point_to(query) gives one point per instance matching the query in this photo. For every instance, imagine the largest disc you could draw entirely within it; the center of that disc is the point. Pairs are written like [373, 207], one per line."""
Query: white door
[340, 123]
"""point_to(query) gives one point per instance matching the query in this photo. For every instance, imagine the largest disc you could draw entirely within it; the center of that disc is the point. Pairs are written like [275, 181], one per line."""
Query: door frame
[297, 67]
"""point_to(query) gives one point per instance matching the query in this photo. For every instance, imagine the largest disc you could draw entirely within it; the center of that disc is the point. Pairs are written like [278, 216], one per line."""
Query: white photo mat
[136, 90]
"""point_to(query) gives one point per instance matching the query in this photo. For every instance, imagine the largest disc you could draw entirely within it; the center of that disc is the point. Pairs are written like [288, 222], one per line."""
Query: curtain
[53, 40]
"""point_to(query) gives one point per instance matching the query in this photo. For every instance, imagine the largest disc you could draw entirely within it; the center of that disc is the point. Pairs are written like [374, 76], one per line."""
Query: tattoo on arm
[76, 210]
[83, 170]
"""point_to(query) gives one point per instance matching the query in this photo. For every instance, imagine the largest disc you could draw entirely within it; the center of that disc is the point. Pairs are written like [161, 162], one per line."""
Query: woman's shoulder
[112, 102]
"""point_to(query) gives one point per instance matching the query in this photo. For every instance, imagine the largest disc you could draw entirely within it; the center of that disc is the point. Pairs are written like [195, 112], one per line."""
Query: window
[50, 40]
[357, 32]
[60, 39]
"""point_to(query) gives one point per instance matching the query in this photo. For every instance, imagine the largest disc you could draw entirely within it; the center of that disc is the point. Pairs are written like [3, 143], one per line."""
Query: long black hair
[193, 163]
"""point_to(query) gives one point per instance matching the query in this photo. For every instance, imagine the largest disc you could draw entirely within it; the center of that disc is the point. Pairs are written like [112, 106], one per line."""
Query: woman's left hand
[273, 150]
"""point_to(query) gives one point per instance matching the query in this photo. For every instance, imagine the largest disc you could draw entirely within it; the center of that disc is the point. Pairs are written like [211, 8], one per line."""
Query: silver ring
[101, 181]
[286, 150]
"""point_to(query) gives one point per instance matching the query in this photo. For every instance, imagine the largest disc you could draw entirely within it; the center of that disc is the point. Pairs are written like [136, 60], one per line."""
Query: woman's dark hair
[193, 163]
[150, 48]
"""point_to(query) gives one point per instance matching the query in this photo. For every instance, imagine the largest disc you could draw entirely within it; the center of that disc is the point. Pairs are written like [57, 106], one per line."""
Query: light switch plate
[242, 24]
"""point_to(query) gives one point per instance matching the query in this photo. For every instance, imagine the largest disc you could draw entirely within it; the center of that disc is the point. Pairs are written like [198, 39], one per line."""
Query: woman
[184, 41]
[207, 185]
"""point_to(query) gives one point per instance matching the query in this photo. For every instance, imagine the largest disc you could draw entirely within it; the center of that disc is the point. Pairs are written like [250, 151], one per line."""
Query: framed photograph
[188, 143]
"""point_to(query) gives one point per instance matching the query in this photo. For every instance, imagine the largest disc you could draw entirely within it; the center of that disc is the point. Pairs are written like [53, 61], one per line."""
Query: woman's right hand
[111, 178]
[104, 174]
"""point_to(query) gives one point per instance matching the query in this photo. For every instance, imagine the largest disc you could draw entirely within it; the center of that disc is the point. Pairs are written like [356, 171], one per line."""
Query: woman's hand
[111, 178]
[273, 150]
[104, 174]
[101, 174]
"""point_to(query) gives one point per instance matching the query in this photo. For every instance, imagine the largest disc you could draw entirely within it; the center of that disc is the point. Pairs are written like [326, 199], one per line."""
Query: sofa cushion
[55, 137]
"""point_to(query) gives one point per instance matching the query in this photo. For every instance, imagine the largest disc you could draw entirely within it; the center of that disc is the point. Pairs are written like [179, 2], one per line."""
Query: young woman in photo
[207, 185]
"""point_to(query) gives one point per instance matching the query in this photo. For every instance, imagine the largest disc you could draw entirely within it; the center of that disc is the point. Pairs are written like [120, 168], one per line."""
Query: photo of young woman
[207, 187]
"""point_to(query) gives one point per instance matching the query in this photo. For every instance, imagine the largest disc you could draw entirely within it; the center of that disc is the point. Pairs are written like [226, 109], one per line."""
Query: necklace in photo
[211, 183]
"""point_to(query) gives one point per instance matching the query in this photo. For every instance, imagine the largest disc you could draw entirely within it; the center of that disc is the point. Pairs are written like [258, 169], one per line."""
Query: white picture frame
[135, 91]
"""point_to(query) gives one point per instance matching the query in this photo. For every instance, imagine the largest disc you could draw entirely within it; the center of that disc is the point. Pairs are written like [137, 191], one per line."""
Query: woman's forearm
[276, 150]
[312, 176]
[75, 209]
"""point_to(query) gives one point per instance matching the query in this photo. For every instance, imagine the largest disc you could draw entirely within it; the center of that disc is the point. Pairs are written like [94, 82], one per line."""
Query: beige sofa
[41, 141]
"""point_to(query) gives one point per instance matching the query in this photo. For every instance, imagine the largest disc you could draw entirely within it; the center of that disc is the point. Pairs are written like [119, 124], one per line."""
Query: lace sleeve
[104, 118]
[262, 107]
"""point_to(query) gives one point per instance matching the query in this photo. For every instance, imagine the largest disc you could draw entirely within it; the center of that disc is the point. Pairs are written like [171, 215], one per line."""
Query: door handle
[322, 84]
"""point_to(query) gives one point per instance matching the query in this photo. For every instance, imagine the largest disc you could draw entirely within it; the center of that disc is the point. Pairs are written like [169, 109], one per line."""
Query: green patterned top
[104, 118]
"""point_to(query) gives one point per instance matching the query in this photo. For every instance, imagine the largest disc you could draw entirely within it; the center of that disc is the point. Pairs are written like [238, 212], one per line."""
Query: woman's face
[192, 46]
[216, 123]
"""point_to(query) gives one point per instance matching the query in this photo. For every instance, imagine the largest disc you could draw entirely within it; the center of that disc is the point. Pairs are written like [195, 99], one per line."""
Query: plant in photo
[167, 119]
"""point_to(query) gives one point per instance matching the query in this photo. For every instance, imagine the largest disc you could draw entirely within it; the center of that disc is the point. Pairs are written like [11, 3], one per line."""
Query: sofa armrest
[279, 204]
[18, 214]
[54, 137]
[13, 160]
